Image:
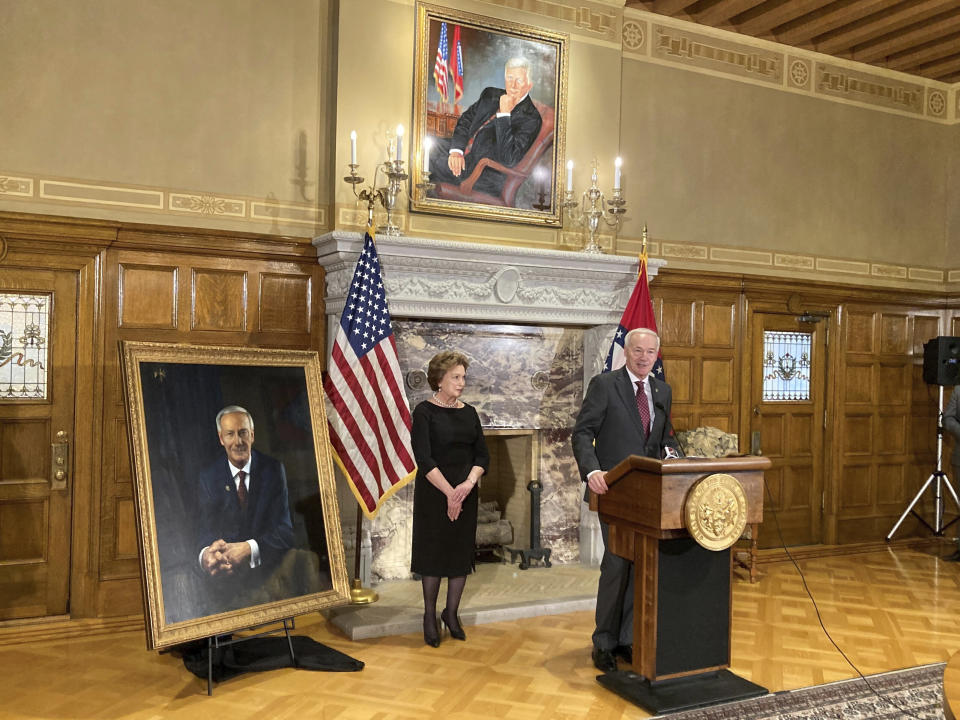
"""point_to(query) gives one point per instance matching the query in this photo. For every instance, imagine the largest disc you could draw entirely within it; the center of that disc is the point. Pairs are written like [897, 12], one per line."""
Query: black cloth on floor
[267, 653]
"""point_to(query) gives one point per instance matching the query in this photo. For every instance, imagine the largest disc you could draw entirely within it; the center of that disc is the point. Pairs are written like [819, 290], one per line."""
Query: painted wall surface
[735, 164]
[236, 114]
[208, 107]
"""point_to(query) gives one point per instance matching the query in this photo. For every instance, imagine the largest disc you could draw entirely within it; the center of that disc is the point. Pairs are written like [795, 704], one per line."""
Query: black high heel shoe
[458, 633]
[431, 638]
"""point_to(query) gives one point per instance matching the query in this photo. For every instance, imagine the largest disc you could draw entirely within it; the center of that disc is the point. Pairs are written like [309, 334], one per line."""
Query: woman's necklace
[438, 401]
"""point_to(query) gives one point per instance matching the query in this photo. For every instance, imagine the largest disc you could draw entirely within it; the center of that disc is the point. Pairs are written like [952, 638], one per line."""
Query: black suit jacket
[267, 515]
[608, 428]
[503, 139]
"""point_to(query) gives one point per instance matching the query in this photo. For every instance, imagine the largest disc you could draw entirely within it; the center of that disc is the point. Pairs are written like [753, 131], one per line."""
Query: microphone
[660, 406]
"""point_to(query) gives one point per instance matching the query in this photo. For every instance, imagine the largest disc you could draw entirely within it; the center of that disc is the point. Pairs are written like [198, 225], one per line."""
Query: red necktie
[473, 137]
[643, 408]
[242, 490]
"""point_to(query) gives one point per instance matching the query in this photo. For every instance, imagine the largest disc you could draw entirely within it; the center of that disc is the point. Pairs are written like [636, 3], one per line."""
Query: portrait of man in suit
[243, 503]
[501, 125]
[625, 412]
[489, 117]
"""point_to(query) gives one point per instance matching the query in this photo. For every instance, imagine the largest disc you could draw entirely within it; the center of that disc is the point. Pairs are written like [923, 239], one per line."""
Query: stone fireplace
[535, 324]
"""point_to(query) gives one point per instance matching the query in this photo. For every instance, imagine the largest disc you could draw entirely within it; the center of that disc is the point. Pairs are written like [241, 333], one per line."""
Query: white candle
[616, 173]
[427, 147]
[569, 175]
[353, 147]
[399, 142]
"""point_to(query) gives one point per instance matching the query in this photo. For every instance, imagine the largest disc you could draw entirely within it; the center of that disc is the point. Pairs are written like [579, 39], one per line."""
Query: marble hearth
[535, 323]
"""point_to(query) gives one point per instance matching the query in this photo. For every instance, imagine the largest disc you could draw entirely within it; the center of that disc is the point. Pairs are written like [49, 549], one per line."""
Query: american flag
[639, 314]
[456, 66]
[440, 66]
[367, 410]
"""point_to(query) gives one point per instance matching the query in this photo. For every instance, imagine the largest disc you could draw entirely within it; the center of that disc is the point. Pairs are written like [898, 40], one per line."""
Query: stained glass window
[786, 365]
[24, 333]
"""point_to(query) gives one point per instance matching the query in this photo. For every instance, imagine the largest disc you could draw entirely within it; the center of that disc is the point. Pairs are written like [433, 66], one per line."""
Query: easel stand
[936, 480]
[214, 642]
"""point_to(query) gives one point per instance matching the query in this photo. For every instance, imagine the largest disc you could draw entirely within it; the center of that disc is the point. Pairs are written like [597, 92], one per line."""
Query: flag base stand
[360, 595]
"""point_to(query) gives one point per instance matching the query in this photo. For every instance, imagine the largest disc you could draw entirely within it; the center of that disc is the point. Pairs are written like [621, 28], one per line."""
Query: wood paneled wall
[206, 287]
[886, 417]
[161, 284]
[879, 429]
[700, 333]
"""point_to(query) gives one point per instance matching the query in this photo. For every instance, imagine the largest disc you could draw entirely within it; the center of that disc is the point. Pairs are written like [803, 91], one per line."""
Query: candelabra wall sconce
[394, 178]
[594, 206]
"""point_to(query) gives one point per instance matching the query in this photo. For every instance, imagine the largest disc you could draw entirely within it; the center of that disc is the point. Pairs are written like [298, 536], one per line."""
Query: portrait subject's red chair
[516, 175]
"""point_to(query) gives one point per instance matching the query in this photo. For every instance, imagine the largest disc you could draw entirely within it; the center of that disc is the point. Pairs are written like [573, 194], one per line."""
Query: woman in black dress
[451, 456]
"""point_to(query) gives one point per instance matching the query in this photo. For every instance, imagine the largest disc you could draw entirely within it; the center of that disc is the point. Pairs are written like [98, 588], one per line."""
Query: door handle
[60, 462]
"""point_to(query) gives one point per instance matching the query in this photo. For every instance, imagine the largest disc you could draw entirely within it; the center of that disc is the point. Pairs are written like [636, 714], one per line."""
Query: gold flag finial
[643, 251]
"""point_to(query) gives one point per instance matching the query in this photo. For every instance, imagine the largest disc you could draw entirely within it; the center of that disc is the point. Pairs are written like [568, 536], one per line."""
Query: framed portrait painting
[233, 487]
[489, 117]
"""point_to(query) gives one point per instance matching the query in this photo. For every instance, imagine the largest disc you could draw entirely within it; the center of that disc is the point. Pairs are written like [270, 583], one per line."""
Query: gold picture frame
[184, 492]
[512, 161]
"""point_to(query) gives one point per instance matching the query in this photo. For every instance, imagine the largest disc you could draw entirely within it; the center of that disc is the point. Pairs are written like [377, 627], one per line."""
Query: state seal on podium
[715, 513]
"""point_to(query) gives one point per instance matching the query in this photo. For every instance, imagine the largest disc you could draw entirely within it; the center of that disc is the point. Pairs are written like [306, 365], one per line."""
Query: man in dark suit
[625, 412]
[501, 125]
[243, 511]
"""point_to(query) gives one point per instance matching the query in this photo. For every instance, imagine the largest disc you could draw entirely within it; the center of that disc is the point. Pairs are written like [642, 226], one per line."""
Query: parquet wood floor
[887, 610]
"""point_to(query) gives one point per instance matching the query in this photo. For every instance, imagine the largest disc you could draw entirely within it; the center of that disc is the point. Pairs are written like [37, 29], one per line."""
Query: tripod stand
[937, 478]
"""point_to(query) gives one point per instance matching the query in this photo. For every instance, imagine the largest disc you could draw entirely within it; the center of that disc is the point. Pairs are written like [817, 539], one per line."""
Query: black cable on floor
[816, 609]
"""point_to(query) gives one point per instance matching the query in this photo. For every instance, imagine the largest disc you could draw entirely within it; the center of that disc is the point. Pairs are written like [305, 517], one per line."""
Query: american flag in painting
[367, 410]
[440, 66]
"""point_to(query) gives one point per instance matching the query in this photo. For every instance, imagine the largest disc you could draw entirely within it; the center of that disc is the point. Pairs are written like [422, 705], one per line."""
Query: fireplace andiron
[535, 552]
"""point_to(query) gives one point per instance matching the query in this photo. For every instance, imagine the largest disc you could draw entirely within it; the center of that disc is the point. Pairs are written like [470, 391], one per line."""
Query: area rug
[898, 695]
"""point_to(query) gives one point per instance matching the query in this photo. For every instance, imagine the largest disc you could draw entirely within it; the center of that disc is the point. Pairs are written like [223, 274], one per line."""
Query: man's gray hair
[520, 62]
[637, 331]
[233, 409]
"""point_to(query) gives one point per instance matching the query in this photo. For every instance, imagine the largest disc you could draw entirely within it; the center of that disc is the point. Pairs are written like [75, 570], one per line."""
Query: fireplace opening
[504, 498]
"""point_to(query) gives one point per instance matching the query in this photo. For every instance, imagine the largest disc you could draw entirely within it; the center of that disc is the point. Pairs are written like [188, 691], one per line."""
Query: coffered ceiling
[920, 37]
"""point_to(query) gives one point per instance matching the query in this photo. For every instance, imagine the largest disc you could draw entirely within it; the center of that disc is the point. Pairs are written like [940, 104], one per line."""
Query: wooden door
[788, 358]
[38, 335]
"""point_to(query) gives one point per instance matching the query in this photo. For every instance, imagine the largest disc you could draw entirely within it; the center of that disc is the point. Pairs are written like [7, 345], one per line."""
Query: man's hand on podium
[597, 481]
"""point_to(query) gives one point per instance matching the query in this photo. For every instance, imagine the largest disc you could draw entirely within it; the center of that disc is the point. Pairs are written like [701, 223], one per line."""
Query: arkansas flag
[367, 410]
[456, 65]
[639, 314]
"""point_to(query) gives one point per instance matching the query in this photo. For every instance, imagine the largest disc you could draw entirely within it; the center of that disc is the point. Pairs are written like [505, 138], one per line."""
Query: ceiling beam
[720, 12]
[831, 17]
[671, 7]
[940, 69]
[764, 18]
[904, 40]
[878, 25]
[931, 52]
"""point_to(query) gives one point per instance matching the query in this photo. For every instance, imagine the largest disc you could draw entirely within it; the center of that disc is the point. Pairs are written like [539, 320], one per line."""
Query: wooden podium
[682, 591]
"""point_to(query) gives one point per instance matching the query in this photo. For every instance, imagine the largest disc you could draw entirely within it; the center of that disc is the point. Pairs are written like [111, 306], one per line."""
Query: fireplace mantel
[443, 279]
[569, 304]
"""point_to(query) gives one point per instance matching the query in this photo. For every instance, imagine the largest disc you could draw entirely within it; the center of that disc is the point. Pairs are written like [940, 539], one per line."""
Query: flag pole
[359, 595]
